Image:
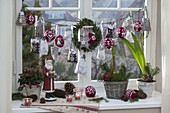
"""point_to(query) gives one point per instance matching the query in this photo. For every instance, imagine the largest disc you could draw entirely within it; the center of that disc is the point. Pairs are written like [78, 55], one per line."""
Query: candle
[77, 93]
[27, 101]
[77, 97]
[69, 98]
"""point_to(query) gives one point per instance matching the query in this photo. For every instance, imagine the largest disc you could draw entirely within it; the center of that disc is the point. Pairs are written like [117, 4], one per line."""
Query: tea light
[77, 97]
[78, 93]
[69, 98]
[27, 101]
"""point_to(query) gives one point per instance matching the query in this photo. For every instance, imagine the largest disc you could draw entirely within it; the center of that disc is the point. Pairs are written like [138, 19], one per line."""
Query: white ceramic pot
[147, 87]
[34, 90]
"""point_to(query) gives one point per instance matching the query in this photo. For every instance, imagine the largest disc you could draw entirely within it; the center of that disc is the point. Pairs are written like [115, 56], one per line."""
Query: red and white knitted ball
[49, 35]
[108, 42]
[30, 19]
[137, 26]
[92, 38]
[59, 41]
[130, 93]
[121, 32]
[90, 91]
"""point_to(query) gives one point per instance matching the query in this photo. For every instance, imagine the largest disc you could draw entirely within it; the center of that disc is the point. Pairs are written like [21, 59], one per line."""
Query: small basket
[114, 90]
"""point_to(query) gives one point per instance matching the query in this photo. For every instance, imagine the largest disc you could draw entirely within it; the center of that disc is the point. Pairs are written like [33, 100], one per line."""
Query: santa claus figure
[49, 75]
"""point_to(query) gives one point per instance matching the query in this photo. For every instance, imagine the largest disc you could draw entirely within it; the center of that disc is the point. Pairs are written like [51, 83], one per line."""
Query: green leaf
[136, 51]
[127, 76]
[105, 67]
[20, 88]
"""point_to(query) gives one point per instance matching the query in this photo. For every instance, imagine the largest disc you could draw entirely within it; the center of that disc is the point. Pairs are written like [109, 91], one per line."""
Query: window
[116, 11]
[59, 13]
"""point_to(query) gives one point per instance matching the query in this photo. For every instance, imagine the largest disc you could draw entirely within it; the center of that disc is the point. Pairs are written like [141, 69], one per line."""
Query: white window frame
[84, 11]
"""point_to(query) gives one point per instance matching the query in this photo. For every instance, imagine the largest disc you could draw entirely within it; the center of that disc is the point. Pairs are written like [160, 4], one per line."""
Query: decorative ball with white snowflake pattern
[30, 19]
[108, 42]
[90, 91]
[120, 32]
[49, 35]
[59, 41]
[92, 38]
[130, 93]
[137, 26]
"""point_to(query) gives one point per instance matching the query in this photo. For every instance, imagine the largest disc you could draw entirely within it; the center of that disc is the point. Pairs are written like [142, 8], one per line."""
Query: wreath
[96, 30]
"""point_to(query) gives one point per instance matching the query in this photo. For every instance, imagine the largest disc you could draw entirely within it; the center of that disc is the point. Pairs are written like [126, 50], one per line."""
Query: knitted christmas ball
[137, 26]
[92, 38]
[59, 41]
[90, 91]
[30, 19]
[120, 32]
[131, 94]
[49, 35]
[108, 42]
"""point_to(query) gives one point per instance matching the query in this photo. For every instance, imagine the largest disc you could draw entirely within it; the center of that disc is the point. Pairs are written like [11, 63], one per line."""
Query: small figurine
[49, 75]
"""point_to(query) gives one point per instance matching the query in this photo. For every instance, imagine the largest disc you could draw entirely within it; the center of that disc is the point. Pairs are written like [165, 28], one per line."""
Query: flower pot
[147, 87]
[114, 90]
[34, 90]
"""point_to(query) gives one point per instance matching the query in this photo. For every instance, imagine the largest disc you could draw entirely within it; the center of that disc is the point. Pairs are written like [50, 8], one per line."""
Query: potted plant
[115, 82]
[147, 81]
[31, 80]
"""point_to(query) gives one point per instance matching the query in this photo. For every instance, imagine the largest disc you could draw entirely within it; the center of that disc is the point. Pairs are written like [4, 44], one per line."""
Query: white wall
[6, 35]
[165, 41]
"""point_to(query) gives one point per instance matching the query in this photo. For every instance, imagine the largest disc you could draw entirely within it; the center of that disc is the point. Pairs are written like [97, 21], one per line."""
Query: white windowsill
[113, 104]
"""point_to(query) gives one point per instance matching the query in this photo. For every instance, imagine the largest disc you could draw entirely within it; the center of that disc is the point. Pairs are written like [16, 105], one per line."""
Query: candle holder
[69, 98]
[27, 101]
[78, 93]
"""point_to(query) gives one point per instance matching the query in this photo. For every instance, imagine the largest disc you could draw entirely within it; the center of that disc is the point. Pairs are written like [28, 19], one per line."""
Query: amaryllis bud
[107, 77]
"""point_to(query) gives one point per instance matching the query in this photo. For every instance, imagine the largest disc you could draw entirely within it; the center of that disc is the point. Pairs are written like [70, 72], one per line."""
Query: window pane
[132, 3]
[105, 3]
[119, 16]
[64, 69]
[59, 21]
[36, 3]
[65, 3]
[123, 56]
[55, 16]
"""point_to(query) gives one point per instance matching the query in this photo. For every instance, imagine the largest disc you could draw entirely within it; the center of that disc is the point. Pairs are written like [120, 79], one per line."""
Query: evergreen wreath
[96, 30]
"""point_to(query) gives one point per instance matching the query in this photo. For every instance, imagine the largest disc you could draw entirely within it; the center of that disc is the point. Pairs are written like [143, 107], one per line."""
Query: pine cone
[140, 94]
[69, 88]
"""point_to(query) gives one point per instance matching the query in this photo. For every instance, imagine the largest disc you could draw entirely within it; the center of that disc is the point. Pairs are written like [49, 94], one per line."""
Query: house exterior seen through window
[59, 15]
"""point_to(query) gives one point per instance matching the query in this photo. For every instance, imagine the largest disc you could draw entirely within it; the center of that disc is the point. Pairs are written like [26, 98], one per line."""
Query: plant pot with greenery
[115, 82]
[30, 81]
[146, 82]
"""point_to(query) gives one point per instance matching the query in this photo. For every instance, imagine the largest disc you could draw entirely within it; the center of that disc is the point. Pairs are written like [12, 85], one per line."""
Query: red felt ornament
[90, 91]
[30, 19]
[137, 26]
[108, 42]
[49, 35]
[121, 32]
[131, 94]
[59, 41]
[92, 38]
